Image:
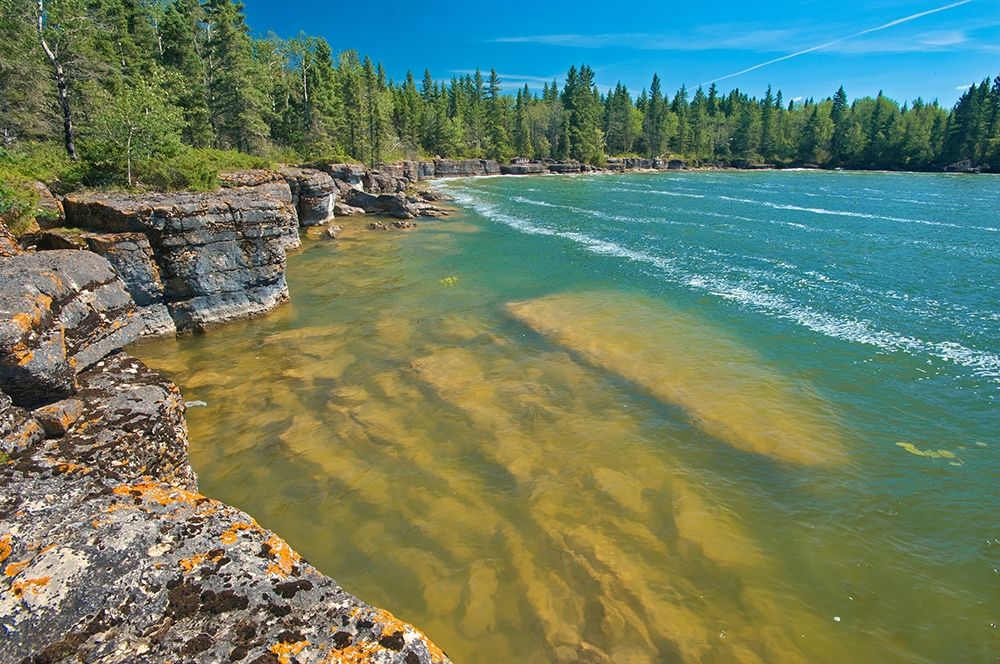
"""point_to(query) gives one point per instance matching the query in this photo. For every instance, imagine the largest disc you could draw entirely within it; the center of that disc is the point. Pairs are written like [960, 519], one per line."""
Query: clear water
[651, 417]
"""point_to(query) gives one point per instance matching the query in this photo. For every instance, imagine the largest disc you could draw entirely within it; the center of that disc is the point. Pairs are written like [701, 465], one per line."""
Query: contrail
[885, 26]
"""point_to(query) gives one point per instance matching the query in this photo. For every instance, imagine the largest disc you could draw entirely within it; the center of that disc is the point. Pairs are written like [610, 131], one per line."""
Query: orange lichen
[359, 653]
[285, 557]
[163, 494]
[285, 651]
[15, 568]
[70, 468]
[232, 533]
[189, 564]
[5, 546]
[33, 585]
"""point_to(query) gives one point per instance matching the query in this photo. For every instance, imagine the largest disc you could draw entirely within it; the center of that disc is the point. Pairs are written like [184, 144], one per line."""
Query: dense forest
[145, 91]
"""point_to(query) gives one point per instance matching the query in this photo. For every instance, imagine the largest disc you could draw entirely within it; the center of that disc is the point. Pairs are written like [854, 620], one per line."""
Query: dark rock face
[526, 168]
[313, 194]
[465, 167]
[108, 552]
[565, 167]
[61, 312]
[221, 255]
[394, 205]
[131, 255]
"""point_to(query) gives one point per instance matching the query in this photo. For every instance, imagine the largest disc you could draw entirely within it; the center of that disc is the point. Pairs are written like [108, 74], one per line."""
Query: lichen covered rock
[60, 312]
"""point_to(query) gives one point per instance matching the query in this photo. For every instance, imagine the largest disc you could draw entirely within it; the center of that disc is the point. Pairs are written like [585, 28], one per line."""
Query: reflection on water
[529, 477]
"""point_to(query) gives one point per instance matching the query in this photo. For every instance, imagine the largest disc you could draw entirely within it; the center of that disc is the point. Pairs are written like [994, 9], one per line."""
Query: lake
[696, 417]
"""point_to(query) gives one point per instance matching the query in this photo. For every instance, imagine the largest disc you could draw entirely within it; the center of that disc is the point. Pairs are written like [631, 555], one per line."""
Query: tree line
[121, 83]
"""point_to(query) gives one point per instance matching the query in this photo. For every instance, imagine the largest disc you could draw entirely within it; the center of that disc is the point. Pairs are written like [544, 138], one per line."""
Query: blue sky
[908, 48]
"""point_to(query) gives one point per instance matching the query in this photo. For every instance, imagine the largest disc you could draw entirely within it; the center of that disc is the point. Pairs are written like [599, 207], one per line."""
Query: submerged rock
[109, 553]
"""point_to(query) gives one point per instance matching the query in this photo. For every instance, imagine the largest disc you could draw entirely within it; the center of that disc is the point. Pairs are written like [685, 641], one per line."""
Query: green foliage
[137, 79]
[197, 168]
[131, 128]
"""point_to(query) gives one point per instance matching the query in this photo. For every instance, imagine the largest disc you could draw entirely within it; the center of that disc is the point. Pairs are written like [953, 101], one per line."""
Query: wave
[756, 296]
[862, 215]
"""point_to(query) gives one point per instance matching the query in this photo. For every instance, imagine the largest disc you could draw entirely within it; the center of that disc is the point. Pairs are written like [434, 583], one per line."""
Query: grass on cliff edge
[191, 169]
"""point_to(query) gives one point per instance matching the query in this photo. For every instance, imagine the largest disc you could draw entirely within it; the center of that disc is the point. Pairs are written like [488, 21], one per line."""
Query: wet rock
[132, 257]
[58, 417]
[313, 194]
[221, 255]
[60, 312]
[333, 232]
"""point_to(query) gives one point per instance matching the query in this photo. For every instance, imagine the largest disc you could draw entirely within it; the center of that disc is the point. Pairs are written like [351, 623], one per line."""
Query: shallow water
[638, 418]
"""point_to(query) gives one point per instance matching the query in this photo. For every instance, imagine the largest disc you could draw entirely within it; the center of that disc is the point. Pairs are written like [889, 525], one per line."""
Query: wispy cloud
[963, 87]
[841, 40]
[742, 37]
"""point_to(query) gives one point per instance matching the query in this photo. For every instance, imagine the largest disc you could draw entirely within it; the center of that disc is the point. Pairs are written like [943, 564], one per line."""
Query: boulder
[60, 312]
[221, 255]
[381, 183]
[345, 210]
[56, 238]
[58, 417]
[349, 174]
[313, 194]
[132, 257]
[394, 205]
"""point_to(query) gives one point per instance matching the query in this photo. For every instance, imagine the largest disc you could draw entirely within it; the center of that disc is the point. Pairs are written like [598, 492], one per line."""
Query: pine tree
[498, 139]
[179, 42]
[238, 101]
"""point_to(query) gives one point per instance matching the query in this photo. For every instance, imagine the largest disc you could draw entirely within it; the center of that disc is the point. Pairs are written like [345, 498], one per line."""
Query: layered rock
[221, 256]
[313, 194]
[132, 257]
[523, 168]
[60, 312]
[109, 553]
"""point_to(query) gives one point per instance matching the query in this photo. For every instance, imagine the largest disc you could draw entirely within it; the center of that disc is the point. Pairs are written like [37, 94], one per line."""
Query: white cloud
[964, 87]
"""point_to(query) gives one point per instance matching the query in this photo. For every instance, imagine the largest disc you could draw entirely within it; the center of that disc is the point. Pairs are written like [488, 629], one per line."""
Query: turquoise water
[703, 416]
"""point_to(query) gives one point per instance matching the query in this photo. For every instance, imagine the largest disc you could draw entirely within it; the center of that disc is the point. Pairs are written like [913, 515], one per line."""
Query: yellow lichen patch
[232, 533]
[285, 557]
[391, 624]
[5, 546]
[70, 468]
[15, 568]
[163, 494]
[189, 564]
[29, 585]
[359, 653]
[285, 651]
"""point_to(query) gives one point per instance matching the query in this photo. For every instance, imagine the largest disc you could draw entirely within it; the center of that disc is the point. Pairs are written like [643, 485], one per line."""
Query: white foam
[982, 363]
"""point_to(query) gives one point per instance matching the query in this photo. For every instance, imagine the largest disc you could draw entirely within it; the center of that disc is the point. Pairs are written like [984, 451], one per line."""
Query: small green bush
[197, 169]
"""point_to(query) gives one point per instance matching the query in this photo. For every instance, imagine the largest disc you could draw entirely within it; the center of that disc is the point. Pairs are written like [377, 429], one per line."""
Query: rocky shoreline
[108, 551]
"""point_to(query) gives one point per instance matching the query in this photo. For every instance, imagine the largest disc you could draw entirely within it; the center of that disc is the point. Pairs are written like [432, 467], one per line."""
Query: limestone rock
[60, 312]
[394, 205]
[8, 243]
[345, 210]
[58, 417]
[221, 255]
[313, 193]
[132, 257]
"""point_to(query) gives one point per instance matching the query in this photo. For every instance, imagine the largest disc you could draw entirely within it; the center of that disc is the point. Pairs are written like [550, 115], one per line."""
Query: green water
[637, 418]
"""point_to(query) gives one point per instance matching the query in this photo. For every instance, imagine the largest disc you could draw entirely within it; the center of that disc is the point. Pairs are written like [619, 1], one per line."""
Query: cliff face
[218, 256]
[109, 552]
